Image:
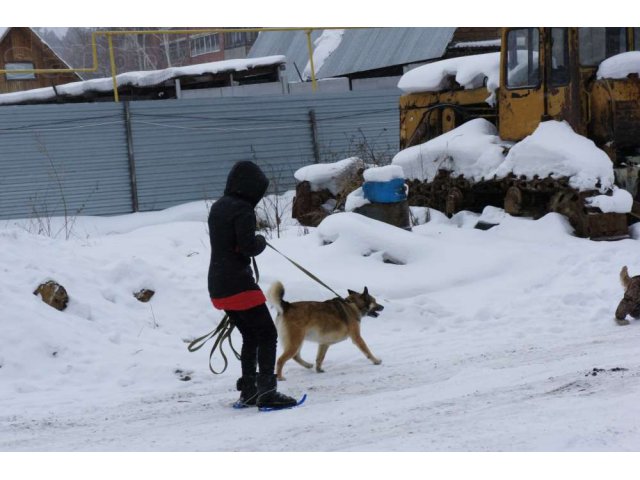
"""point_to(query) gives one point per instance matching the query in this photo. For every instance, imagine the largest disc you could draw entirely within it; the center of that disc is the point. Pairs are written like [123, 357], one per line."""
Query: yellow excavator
[556, 80]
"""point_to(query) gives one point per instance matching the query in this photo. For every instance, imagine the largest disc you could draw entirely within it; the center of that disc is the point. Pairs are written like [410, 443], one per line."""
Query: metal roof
[360, 49]
[291, 44]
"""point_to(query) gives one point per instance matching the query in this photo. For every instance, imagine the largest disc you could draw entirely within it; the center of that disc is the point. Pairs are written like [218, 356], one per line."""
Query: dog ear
[366, 291]
[351, 292]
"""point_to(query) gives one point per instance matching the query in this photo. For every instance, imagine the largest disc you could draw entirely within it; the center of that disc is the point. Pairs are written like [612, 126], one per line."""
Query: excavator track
[520, 197]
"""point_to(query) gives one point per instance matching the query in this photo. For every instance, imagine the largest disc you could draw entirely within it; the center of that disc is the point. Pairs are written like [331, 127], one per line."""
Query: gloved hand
[261, 243]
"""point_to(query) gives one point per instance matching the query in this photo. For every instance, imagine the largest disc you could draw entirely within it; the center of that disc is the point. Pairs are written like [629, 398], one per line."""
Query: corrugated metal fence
[108, 158]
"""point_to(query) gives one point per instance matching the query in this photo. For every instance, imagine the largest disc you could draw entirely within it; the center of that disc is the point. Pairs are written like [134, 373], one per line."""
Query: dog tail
[624, 277]
[275, 294]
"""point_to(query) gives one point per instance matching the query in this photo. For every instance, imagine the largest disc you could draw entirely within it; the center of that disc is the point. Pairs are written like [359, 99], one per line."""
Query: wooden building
[22, 49]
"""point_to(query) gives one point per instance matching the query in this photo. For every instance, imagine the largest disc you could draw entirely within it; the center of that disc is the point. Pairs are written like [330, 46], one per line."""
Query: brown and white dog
[630, 303]
[325, 323]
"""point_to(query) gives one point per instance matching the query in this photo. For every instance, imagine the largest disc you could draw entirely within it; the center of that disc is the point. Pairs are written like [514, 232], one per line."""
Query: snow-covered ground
[498, 340]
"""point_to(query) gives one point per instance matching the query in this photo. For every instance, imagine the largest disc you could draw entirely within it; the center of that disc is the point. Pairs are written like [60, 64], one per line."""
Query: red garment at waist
[240, 301]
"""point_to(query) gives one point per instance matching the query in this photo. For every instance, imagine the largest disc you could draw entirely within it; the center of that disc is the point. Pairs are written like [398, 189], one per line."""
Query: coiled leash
[221, 333]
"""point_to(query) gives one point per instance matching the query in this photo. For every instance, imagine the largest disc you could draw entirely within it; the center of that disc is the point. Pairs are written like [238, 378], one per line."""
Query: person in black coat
[232, 287]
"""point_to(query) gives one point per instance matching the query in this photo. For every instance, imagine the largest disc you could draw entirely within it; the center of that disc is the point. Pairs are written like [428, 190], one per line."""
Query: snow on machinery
[581, 76]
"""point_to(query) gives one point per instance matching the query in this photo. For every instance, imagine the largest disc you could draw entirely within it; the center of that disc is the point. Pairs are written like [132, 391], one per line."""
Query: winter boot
[268, 396]
[246, 385]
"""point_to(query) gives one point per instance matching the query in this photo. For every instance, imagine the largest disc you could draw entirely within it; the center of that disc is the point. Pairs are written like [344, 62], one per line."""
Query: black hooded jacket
[232, 231]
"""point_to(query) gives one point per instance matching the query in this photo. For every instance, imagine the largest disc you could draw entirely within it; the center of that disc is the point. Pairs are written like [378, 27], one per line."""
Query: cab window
[523, 48]
[597, 44]
[636, 36]
[559, 57]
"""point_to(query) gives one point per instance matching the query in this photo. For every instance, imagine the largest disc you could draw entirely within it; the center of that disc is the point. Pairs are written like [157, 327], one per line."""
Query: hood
[248, 181]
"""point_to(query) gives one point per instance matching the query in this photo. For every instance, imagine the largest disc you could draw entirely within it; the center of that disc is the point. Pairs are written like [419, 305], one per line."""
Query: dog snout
[373, 311]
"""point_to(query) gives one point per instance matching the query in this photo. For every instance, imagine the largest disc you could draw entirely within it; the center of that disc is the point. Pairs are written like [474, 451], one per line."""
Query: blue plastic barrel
[385, 192]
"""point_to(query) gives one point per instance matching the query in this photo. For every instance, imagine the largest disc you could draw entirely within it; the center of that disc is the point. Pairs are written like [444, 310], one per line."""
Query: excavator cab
[549, 74]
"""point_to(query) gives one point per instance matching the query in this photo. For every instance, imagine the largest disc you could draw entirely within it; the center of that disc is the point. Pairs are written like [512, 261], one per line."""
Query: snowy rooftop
[477, 44]
[138, 79]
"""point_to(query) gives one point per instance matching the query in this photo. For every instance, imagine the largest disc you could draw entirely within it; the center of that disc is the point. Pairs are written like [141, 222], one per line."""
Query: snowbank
[470, 72]
[473, 149]
[555, 150]
[327, 175]
[357, 234]
[620, 66]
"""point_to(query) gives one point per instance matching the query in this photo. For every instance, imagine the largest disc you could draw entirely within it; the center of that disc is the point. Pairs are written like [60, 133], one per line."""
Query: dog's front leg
[359, 341]
[322, 351]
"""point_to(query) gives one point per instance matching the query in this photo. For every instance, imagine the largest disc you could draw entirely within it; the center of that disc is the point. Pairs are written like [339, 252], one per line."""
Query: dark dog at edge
[630, 303]
[325, 323]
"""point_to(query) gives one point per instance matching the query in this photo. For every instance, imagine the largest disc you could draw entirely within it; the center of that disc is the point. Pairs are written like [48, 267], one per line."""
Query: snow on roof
[477, 44]
[138, 79]
[620, 66]
[470, 72]
[475, 151]
[359, 49]
[322, 48]
[3, 32]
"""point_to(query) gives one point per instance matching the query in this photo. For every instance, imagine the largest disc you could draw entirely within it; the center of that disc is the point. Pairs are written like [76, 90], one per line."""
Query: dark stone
[396, 214]
[53, 294]
[144, 295]
[182, 375]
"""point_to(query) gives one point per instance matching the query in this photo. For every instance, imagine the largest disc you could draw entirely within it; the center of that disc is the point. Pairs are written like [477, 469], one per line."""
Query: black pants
[259, 339]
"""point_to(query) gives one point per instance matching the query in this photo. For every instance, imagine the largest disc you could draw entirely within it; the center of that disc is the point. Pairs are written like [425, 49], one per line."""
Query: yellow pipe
[220, 30]
[112, 60]
[110, 33]
[314, 84]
